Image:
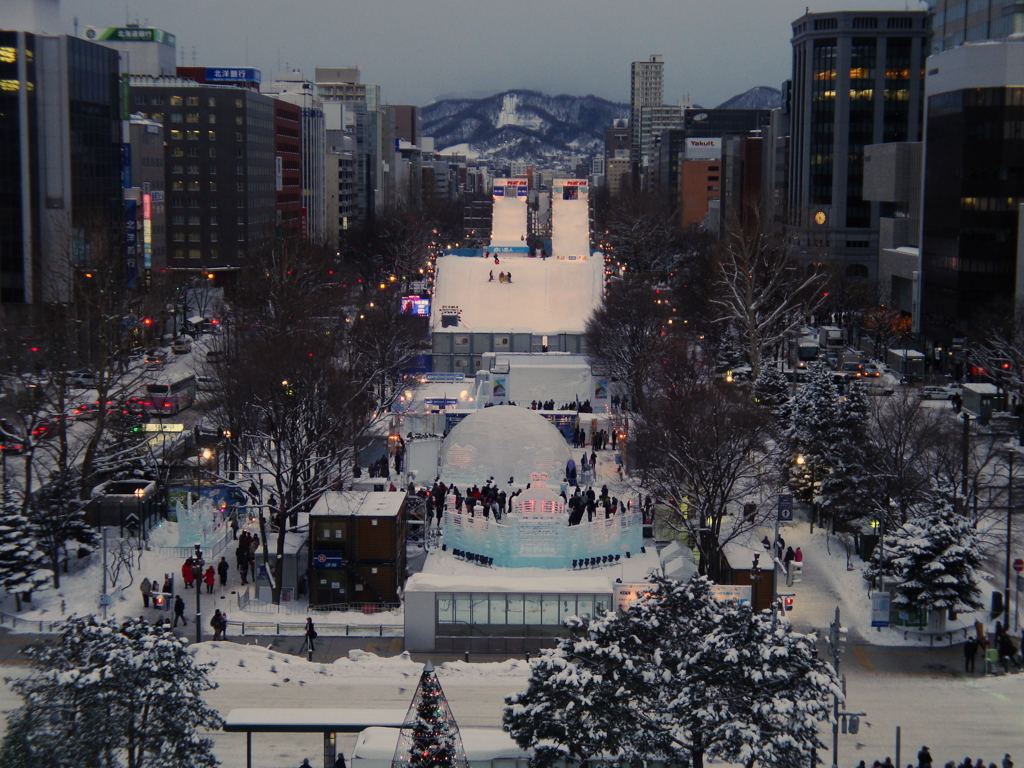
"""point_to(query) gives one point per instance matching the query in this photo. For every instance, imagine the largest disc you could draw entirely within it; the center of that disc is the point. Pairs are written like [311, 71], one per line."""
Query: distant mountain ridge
[759, 97]
[522, 124]
[533, 126]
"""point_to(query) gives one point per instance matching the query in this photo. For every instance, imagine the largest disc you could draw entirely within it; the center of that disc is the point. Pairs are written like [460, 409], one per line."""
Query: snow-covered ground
[508, 221]
[570, 228]
[546, 296]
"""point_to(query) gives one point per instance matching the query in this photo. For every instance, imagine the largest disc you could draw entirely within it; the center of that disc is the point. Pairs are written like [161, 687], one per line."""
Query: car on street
[871, 370]
[155, 359]
[208, 384]
[83, 379]
[936, 393]
[85, 412]
[216, 356]
[181, 345]
[49, 426]
[9, 442]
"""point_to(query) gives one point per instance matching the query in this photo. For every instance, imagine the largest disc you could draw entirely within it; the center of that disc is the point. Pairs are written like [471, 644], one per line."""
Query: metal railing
[209, 552]
[43, 627]
[250, 604]
[296, 629]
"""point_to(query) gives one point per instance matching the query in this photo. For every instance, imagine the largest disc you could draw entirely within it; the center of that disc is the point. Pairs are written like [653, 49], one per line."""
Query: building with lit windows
[973, 196]
[646, 89]
[219, 158]
[60, 151]
[858, 79]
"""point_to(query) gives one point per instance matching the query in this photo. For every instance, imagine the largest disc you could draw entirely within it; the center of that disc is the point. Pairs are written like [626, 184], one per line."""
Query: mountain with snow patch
[759, 97]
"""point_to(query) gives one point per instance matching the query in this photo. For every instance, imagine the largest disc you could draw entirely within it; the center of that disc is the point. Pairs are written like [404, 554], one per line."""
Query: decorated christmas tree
[430, 736]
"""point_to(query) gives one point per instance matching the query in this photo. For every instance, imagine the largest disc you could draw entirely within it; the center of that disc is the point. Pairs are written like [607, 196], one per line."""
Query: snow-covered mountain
[536, 127]
[522, 125]
[759, 97]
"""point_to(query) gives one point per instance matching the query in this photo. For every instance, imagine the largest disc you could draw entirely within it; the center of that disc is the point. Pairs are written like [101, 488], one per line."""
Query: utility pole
[834, 633]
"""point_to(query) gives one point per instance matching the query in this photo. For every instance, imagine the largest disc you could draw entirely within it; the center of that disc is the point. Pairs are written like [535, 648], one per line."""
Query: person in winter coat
[179, 611]
[168, 584]
[242, 561]
[219, 624]
[210, 578]
[798, 556]
[186, 573]
[310, 635]
[924, 758]
[146, 588]
[970, 653]
[340, 762]
[222, 571]
[788, 558]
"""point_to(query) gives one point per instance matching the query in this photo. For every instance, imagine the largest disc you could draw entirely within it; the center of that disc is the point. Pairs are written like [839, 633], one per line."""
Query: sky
[421, 50]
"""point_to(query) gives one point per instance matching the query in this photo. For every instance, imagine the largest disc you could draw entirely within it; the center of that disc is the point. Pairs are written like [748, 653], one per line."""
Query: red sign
[1018, 565]
[147, 206]
[574, 184]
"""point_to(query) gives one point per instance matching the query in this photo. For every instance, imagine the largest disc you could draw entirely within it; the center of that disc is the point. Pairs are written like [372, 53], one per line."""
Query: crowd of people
[1003, 644]
[925, 760]
[245, 555]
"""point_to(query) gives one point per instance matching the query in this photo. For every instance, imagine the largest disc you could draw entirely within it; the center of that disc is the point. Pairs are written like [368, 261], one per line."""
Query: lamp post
[140, 493]
[197, 572]
[801, 461]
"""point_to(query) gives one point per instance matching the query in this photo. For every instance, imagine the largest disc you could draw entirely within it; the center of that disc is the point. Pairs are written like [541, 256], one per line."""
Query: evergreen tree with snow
[22, 565]
[430, 736]
[56, 516]
[679, 677]
[771, 388]
[932, 562]
[110, 696]
[847, 490]
[812, 416]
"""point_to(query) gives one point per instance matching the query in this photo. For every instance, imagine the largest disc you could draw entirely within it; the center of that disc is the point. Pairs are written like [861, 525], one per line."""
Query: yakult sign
[703, 149]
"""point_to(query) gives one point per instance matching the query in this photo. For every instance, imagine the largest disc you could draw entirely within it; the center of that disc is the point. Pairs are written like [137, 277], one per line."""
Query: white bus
[170, 395]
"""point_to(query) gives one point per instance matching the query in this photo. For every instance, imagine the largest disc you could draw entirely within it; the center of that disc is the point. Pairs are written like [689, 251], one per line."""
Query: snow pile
[570, 228]
[257, 664]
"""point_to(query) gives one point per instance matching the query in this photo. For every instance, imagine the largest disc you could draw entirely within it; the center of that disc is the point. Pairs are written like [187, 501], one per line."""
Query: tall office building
[293, 88]
[358, 111]
[954, 22]
[60, 151]
[219, 169]
[144, 50]
[972, 250]
[858, 79]
[646, 89]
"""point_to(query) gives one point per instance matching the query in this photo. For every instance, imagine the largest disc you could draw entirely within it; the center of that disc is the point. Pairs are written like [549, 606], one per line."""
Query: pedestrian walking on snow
[179, 611]
[209, 578]
[222, 571]
[924, 758]
[146, 587]
[310, 636]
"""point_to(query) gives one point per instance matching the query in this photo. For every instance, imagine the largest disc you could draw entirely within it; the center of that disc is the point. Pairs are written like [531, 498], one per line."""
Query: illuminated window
[193, 117]
[192, 101]
[175, 135]
[176, 101]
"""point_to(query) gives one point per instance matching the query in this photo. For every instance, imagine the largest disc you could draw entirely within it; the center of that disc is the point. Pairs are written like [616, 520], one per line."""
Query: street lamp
[801, 461]
[140, 494]
[197, 573]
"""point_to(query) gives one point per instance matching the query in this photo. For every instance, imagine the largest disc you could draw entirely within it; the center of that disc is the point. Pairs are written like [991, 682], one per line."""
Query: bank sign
[233, 75]
[130, 35]
[326, 561]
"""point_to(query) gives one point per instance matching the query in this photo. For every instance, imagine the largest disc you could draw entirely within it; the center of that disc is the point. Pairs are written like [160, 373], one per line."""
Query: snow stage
[546, 296]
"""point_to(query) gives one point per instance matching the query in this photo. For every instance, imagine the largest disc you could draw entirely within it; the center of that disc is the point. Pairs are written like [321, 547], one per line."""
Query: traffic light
[789, 603]
[147, 321]
[854, 724]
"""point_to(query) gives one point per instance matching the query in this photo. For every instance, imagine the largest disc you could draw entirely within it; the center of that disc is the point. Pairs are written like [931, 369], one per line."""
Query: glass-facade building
[973, 188]
[954, 22]
[60, 159]
[858, 79]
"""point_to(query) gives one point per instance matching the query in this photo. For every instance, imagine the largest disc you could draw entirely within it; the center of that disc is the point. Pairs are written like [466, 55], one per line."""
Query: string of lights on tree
[430, 736]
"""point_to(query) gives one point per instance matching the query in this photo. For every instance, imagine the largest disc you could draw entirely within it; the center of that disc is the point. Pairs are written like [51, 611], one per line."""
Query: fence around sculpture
[542, 540]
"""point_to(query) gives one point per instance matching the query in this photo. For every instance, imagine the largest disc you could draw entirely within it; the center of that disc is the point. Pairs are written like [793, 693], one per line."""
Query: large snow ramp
[508, 216]
[570, 219]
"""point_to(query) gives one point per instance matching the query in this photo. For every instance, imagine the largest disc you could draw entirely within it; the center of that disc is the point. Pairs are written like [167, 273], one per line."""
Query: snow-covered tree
[430, 736]
[679, 677]
[22, 564]
[109, 696]
[933, 561]
[848, 490]
[56, 516]
[770, 387]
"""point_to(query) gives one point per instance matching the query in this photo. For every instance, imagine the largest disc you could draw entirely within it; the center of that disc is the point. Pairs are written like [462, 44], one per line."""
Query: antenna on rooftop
[193, 55]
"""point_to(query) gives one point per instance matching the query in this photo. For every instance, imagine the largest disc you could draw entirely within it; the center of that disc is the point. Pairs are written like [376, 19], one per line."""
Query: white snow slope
[508, 221]
[570, 228]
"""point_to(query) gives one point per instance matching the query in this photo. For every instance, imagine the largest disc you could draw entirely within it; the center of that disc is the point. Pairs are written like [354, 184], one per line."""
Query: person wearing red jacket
[209, 578]
[186, 573]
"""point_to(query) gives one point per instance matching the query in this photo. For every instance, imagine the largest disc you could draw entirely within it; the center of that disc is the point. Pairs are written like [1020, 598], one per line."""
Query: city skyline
[420, 53]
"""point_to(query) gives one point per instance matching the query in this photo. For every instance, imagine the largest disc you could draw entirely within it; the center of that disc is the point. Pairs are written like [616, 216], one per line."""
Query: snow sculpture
[199, 521]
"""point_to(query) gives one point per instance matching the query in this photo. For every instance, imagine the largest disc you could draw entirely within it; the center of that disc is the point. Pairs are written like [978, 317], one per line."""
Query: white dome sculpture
[501, 442]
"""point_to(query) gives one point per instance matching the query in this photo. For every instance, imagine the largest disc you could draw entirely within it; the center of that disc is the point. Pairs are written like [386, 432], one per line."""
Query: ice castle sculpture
[200, 520]
[510, 442]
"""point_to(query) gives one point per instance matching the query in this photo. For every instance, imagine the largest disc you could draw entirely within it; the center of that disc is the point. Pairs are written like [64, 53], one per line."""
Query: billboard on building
[416, 305]
[233, 75]
[569, 189]
[511, 188]
[130, 35]
[703, 149]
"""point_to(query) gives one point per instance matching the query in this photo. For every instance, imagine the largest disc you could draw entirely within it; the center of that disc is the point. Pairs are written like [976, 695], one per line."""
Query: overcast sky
[420, 50]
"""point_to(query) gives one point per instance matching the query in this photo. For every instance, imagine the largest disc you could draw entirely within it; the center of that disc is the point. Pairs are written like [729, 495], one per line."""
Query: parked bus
[167, 397]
